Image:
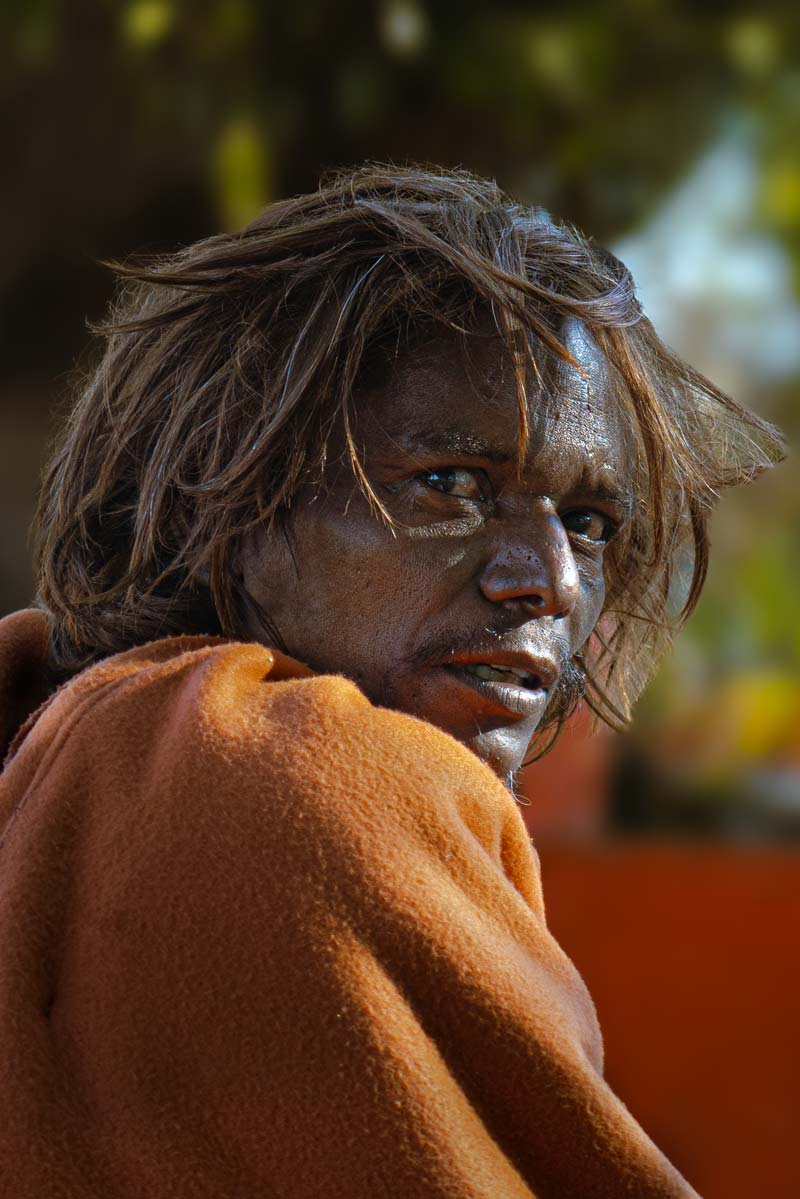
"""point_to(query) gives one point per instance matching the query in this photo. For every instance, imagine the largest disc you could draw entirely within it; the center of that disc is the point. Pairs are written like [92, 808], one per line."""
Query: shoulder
[243, 703]
[223, 728]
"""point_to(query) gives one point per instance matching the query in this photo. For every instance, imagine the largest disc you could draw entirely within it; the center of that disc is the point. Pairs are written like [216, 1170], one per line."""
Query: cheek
[353, 568]
[593, 594]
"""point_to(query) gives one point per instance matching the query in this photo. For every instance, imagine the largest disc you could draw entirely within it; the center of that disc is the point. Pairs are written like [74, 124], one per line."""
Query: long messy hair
[228, 365]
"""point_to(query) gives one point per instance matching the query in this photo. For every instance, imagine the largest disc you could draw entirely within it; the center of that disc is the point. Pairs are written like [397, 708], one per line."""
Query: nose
[534, 570]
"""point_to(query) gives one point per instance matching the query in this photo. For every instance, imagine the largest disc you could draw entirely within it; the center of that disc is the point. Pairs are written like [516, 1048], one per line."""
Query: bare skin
[486, 569]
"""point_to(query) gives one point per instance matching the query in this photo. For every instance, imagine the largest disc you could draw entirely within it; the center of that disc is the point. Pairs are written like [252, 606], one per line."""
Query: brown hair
[228, 365]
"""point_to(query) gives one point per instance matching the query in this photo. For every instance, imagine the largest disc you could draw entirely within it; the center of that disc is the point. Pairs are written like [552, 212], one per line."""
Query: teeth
[498, 674]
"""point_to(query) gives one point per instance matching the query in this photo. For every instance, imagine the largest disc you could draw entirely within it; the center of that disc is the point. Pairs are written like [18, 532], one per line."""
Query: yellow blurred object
[760, 711]
[147, 22]
[241, 173]
[753, 44]
[781, 193]
[554, 59]
[749, 718]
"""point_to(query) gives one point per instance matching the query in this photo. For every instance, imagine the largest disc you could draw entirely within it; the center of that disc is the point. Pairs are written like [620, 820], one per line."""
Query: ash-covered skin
[482, 561]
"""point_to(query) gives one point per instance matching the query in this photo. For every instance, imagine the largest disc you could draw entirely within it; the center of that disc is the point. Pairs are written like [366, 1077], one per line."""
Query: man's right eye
[459, 482]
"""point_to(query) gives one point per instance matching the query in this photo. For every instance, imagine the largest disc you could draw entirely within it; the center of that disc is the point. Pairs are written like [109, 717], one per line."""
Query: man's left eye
[595, 526]
[456, 481]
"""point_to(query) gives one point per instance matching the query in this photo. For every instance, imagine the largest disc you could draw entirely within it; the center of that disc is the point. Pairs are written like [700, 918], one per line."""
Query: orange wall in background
[691, 954]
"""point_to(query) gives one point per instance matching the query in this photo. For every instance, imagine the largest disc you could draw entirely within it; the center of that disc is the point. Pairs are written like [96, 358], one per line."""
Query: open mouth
[509, 689]
[504, 674]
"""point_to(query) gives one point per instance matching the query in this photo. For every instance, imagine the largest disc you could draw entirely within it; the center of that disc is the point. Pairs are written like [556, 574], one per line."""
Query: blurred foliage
[593, 111]
[130, 125]
[241, 172]
[142, 124]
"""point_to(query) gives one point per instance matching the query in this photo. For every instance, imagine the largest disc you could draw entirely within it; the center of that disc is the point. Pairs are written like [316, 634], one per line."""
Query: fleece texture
[260, 939]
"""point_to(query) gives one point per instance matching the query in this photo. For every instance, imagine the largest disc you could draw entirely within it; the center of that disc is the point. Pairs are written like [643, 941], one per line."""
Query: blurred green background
[668, 131]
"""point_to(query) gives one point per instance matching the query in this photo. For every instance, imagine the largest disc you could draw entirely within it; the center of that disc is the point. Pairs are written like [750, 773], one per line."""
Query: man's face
[469, 611]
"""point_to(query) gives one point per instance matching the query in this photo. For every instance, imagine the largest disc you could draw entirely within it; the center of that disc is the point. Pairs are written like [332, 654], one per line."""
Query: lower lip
[519, 701]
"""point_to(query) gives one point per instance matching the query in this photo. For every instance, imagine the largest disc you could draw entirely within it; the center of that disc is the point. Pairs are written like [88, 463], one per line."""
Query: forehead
[458, 393]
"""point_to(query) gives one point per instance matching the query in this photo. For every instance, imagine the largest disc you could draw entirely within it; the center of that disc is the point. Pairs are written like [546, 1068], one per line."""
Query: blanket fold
[261, 938]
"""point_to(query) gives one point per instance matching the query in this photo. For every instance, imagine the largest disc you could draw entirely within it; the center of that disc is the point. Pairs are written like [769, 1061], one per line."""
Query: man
[355, 507]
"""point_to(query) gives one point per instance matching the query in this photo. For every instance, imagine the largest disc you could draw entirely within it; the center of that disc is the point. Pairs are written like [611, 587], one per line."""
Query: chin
[502, 750]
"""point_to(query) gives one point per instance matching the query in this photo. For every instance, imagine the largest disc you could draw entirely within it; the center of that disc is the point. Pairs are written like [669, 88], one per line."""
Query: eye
[458, 482]
[594, 526]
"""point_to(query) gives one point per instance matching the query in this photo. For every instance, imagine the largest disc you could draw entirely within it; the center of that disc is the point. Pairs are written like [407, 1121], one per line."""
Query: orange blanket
[259, 938]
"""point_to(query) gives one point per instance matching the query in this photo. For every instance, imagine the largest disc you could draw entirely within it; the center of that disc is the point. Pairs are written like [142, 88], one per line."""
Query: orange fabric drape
[260, 937]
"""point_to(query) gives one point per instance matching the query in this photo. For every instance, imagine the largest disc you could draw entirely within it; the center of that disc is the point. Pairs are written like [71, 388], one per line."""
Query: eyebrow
[461, 444]
[467, 445]
[624, 499]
